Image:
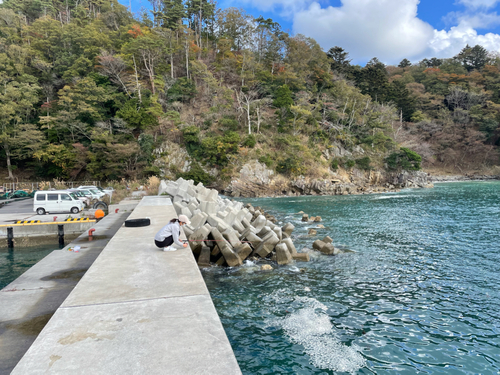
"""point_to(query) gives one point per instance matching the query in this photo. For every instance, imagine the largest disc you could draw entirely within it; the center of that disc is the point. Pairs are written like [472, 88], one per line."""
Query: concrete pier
[137, 310]
[29, 302]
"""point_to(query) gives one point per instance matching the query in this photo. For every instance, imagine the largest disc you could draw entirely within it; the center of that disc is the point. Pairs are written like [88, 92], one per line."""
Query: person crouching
[169, 234]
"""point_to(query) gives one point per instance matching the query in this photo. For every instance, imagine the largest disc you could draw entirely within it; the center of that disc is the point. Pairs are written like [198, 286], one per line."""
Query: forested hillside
[90, 91]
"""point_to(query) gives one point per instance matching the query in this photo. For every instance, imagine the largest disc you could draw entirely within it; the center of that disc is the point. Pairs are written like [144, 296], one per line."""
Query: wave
[308, 324]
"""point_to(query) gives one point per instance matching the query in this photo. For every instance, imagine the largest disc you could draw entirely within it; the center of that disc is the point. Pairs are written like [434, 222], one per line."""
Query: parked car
[56, 201]
[79, 194]
[101, 192]
[90, 194]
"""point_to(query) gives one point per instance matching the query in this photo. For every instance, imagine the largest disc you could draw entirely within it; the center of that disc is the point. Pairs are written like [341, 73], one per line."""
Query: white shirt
[171, 229]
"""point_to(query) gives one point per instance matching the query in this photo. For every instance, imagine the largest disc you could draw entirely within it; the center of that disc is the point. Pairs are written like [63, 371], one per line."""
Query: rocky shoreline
[255, 180]
[461, 178]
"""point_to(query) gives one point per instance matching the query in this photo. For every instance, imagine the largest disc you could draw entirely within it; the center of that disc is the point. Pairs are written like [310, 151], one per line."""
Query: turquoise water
[421, 293]
[13, 263]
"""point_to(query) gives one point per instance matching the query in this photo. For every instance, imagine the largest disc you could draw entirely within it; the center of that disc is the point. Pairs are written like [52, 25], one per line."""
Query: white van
[56, 201]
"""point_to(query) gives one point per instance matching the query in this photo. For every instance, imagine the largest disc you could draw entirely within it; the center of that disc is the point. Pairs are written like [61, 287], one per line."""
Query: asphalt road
[24, 206]
[23, 210]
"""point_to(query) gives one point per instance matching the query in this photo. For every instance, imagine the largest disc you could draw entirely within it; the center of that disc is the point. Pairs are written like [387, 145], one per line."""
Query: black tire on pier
[137, 222]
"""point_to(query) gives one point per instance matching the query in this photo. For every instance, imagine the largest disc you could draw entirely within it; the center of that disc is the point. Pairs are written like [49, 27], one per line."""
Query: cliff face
[255, 180]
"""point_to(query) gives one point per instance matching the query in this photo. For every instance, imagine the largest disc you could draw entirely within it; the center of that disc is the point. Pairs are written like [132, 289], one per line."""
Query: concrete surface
[137, 310]
[28, 302]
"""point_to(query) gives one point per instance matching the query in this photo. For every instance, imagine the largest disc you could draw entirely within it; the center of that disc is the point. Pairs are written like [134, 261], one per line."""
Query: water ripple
[420, 294]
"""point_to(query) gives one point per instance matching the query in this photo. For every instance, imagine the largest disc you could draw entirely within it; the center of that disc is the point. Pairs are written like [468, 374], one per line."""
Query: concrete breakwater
[226, 233]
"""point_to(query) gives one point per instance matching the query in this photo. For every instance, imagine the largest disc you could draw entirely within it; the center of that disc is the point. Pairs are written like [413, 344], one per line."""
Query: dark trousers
[166, 242]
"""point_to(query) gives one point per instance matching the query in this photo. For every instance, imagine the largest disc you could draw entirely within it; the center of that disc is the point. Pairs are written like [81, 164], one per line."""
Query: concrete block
[217, 222]
[301, 257]
[197, 237]
[243, 250]
[230, 217]
[199, 219]
[278, 232]
[221, 262]
[270, 224]
[212, 195]
[259, 223]
[231, 237]
[327, 239]
[208, 207]
[240, 214]
[267, 245]
[229, 255]
[188, 230]
[171, 189]
[192, 207]
[215, 251]
[186, 211]
[317, 219]
[305, 217]
[248, 216]
[318, 245]
[178, 208]
[246, 223]
[162, 188]
[312, 232]
[237, 226]
[221, 214]
[254, 240]
[328, 249]
[183, 194]
[190, 190]
[290, 246]
[288, 229]
[245, 232]
[282, 254]
[265, 230]
[204, 258]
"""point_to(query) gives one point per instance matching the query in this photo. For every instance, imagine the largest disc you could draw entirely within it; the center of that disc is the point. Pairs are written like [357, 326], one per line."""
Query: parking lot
[13, 211]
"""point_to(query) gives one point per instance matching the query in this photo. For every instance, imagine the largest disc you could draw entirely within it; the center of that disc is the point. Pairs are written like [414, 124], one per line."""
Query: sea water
[419, 294]
[14, 262]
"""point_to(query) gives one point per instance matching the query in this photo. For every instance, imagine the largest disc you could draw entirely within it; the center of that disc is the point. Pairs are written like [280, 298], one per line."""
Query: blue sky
[388, 29]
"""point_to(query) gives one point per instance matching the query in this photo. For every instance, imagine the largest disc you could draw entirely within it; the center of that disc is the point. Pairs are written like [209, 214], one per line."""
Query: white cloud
[387, 29]
[449, 43]
[285, 7]
[476, 21]
[476, 4]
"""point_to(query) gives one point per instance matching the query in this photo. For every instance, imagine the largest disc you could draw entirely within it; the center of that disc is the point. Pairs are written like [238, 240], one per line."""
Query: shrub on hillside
[405, 159]
[363, 163]
[291, 166]
[249, 141]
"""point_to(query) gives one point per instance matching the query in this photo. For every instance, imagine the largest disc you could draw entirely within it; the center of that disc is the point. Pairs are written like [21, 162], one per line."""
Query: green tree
[405, 63]
[472, 57]
[339, 60]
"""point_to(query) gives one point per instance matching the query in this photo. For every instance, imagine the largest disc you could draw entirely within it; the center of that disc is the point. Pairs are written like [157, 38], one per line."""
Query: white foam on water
[309, 325]
[388, 197]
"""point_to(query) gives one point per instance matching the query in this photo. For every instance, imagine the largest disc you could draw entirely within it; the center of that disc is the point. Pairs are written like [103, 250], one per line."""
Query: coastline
[463, 178]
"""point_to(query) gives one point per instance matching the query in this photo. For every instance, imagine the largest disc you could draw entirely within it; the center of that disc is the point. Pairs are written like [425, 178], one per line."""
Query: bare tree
[116, 69]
